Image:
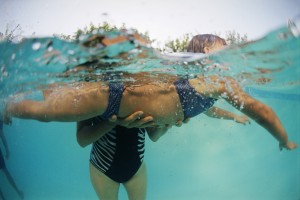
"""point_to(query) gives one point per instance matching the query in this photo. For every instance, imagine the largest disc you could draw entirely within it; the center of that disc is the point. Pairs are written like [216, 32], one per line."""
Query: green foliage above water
[177, 45]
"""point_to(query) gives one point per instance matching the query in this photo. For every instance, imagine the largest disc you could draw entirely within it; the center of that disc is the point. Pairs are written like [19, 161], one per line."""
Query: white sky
[163, 19]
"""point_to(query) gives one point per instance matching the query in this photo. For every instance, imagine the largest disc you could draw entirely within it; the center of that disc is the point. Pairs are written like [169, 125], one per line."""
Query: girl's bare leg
[67, 104]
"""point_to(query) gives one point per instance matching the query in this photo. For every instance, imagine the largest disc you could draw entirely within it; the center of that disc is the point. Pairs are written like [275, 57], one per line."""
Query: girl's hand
[242, 119]
[289, 146]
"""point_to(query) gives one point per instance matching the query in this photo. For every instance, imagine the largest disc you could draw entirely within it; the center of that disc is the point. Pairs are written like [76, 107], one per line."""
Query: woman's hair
[199, 42]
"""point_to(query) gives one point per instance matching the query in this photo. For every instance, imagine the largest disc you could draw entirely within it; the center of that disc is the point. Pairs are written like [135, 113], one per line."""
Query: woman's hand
[134, 120]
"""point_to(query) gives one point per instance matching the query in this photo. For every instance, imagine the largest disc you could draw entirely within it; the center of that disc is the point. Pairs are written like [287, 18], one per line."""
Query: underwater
[204, 159]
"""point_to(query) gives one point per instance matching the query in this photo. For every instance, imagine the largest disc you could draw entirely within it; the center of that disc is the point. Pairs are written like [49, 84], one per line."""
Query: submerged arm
[220, 113]
[91, 130]
[259, 112]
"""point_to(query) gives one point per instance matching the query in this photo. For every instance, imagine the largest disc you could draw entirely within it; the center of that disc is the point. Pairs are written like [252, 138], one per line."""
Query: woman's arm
[91, 130]
[220, 113]
[88, 131]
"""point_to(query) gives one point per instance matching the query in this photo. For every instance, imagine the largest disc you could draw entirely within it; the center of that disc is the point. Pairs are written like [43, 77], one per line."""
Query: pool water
[207, 158]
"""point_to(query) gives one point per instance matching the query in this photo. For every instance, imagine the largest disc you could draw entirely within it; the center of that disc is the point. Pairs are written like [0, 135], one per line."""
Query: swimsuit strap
[191, 101]
[114, 100]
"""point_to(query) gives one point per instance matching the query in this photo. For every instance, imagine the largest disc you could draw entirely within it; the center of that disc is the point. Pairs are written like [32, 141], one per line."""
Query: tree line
[175, 45]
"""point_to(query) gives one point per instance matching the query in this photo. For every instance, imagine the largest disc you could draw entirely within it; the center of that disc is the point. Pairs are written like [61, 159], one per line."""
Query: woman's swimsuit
[120, 153]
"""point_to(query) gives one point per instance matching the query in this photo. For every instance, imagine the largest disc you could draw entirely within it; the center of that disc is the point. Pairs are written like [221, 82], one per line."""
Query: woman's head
[205, 43]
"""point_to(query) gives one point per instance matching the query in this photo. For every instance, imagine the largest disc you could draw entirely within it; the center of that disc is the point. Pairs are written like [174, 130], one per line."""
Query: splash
[268, 63]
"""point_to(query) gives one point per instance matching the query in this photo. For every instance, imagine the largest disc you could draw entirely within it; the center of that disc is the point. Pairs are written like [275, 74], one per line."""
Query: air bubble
[71, 52]
[36, 46]
[50, 49]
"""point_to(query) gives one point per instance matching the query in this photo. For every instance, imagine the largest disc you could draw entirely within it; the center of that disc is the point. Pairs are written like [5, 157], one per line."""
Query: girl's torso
[160, 101]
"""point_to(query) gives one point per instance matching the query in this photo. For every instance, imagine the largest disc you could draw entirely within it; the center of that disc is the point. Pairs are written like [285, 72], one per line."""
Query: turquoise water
[207, 159]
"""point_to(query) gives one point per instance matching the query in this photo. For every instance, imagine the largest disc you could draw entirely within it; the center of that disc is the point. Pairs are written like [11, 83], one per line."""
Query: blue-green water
[206, 159]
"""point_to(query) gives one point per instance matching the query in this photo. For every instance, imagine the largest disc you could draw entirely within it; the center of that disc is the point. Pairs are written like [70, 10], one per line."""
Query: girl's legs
[67, 104]
[105, 188]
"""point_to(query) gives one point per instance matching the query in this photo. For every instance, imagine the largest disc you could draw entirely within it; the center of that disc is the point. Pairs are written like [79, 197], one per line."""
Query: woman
[117, 155]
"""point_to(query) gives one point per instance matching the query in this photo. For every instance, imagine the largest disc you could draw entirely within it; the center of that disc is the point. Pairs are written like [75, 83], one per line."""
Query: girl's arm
[259, 112]
[220, 113]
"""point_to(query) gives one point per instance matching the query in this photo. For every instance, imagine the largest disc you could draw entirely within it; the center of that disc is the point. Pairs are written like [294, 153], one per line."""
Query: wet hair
[199, 42]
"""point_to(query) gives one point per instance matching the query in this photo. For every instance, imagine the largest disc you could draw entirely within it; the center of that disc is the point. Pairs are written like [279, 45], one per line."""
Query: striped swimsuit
[119, 153]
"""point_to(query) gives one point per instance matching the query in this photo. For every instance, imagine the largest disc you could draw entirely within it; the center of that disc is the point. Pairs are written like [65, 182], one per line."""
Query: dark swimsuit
[114, 100]
[120, 152]
[191, 101]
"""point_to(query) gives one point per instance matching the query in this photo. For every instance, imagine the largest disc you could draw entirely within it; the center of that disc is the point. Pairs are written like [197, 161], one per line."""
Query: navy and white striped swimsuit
[120, 152]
